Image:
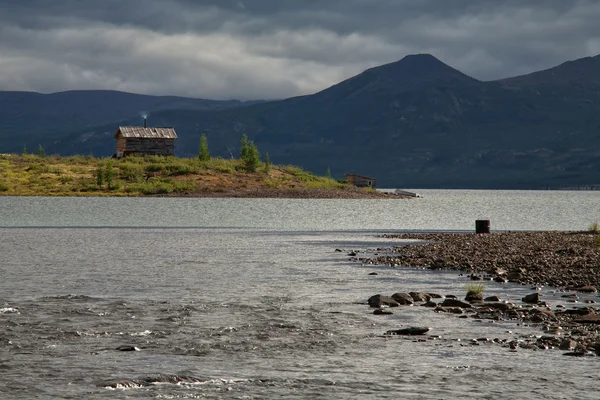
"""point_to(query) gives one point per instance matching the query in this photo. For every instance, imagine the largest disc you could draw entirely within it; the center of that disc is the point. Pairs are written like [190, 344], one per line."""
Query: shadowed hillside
[412, 123]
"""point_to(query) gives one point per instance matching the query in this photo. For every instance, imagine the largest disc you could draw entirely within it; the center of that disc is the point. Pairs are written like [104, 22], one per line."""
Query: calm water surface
[247, 299]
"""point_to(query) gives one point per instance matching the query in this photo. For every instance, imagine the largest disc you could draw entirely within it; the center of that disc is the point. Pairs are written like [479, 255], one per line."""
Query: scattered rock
[419, 296]
[435, 296]
[588, 319]
[379, 311]
[449, 302]
[380, 300]
[587, 289]
[492, 298]
[452, 310]
[532, 298]
[127, 348]
[373, 273]
[404, 299]
[567, 344]
[474, 297]
[412, 331]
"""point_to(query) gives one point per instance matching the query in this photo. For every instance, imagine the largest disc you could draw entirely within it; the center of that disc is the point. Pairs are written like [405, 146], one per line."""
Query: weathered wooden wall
[121, 145]
[165, 147]
[361, 181]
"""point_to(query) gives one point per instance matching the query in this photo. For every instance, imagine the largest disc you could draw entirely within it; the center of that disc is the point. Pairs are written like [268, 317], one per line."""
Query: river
[248, 299]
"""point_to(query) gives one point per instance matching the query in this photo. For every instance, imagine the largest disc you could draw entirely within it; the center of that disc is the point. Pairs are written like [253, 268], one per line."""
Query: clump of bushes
[594, 227]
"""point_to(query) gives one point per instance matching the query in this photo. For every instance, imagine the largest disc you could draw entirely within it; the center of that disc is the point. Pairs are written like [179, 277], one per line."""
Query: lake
[248, 299]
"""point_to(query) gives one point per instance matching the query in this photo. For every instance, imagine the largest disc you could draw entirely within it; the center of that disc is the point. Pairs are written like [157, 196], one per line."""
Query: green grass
[147, 175]
[475, 288]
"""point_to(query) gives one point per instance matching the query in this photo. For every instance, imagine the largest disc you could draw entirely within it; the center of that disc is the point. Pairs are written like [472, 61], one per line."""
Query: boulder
[474, 296]
[492, 298]
[455, 303]
[567, 344]
[419, 296]
[532, 298]
[127, 348]
[380, 300]
[412, 331]
[404, 299]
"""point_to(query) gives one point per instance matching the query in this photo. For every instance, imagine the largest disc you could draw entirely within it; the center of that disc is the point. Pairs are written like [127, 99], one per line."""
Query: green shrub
[4, 187]
[130, 172]
[224, 169]
[475, 288]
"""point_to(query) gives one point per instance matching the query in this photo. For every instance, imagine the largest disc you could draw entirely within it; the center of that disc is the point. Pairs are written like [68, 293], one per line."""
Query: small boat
[401, 192]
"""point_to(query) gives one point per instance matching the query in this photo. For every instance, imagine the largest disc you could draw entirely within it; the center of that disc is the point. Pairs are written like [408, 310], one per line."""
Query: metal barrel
[482, 226]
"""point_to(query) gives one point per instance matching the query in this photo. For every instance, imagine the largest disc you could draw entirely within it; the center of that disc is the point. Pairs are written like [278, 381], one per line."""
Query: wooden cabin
[361, 181]
[145, 140]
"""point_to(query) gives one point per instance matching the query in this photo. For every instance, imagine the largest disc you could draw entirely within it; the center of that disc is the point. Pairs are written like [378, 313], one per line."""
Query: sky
[271, 49]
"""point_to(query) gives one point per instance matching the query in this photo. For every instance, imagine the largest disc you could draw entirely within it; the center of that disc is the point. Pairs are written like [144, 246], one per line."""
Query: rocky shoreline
[569, 261]
[561, 259]
[573, 330]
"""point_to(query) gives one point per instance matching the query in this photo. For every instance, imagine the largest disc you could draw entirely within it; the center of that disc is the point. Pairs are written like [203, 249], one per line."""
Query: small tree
[41, 151]
[328, 173]
[252, 159]
[99, 177]
[109, 175]
[203, 153]
[244, 147]
[267, 164]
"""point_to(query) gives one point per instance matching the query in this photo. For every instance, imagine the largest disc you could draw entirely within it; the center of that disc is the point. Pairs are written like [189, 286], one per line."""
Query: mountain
[27, 117]
[413, 123]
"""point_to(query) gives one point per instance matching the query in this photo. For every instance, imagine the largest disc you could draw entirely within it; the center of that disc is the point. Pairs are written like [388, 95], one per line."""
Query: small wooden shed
[145, 140]
[361, 181]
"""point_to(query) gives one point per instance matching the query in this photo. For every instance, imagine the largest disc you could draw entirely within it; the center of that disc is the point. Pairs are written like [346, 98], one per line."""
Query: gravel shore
[561, 259]
[567, 260]
[349, 193]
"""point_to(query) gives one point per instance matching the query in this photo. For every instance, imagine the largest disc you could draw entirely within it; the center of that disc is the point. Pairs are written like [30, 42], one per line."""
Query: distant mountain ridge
[413, 123]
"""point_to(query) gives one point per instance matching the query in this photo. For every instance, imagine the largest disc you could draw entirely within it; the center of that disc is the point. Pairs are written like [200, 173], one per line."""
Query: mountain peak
[411, 72]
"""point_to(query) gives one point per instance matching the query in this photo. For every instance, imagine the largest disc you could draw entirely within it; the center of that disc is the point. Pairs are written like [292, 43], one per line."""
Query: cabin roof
[146, 133]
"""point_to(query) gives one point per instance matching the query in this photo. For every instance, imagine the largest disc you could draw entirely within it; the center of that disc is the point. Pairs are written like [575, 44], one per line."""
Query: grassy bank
[33, 175]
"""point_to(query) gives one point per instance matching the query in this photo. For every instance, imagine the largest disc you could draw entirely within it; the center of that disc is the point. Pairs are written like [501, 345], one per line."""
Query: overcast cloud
[264, 49]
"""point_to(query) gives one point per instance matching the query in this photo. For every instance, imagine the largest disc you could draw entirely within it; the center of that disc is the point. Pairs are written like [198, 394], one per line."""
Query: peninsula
[41, 175]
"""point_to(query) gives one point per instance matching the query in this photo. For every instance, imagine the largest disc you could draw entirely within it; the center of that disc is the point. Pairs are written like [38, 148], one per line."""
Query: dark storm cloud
[276, 48]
